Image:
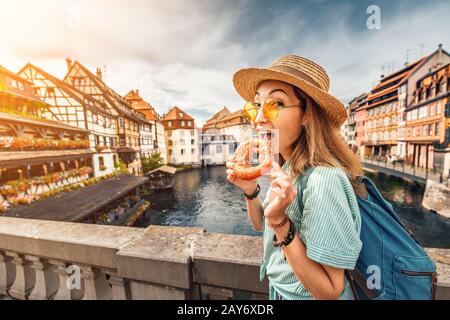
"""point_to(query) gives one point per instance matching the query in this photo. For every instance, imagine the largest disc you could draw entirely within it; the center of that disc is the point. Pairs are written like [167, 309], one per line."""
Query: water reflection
[204, 198]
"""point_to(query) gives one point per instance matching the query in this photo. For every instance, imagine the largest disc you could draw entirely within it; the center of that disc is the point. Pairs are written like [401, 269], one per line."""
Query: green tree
[121, 167]
[153, 162]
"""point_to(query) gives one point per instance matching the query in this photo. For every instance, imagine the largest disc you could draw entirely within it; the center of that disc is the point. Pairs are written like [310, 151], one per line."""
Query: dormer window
[181, 114]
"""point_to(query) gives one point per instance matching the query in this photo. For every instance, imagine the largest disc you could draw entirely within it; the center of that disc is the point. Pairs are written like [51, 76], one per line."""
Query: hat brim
[246, 82]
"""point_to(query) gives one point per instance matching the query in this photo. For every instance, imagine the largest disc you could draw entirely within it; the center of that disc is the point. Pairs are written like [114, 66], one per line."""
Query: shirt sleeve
[329, 228]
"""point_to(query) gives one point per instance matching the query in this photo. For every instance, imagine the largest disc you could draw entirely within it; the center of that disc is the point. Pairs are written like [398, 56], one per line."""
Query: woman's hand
[282, 193]
[249, 186]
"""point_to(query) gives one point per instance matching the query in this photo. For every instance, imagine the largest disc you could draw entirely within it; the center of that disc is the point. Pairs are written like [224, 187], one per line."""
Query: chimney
[439, 60]
[69, 63]
[99, 73]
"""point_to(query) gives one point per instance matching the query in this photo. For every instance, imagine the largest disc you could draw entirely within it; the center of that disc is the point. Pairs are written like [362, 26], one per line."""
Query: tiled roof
[177, 114]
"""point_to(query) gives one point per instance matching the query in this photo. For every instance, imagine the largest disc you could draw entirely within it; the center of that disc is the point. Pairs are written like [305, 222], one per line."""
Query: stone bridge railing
[42, 259]
[59, 260]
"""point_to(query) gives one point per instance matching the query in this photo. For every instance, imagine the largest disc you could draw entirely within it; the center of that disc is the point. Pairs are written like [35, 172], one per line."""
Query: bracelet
[254, 195]
[288, 238]
[279, 225]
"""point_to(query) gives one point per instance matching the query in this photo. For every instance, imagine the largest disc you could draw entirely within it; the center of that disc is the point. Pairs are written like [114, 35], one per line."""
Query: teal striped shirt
[329, 227]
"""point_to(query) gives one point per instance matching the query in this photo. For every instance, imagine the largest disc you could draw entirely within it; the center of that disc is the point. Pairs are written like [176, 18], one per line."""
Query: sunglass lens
[250, 111]
[270, 110]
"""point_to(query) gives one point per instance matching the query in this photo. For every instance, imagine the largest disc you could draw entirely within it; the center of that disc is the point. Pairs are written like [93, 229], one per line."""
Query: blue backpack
[392, 265]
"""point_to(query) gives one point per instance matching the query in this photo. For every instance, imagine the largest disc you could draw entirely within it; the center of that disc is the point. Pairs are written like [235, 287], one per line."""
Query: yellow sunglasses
[270, 108]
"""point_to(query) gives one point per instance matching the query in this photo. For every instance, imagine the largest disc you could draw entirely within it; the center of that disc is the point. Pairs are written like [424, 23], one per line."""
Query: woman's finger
[283, 184]
[276, 168]
[279, 192]
[229, 164]
[280, 175]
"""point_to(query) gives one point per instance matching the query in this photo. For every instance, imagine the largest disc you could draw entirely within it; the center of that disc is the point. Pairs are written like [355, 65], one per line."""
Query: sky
[185, 52]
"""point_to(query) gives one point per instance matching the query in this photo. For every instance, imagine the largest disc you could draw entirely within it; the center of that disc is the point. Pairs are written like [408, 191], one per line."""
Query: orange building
[383, 112]
[139, 104]
[428, 122]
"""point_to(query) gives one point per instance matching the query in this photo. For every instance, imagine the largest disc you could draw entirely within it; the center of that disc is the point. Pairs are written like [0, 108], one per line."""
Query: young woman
[305, 251]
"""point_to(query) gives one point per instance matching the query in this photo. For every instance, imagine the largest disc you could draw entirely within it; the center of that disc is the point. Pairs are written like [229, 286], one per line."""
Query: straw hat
[298, 71]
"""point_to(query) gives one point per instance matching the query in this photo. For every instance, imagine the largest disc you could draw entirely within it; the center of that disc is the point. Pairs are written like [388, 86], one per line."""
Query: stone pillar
[120, 288]
[96, 287]
[46, 284]
[25, 277]
[7, 273]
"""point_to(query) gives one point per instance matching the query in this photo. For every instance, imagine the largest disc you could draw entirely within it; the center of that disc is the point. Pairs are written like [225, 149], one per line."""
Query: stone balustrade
[60, 260]
[42, 259]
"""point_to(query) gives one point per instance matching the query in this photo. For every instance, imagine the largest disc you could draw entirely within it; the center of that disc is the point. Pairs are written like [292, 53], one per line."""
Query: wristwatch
[254, 195]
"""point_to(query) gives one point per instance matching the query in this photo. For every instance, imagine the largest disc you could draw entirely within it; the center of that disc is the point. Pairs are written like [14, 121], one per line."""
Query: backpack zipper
[434, 279]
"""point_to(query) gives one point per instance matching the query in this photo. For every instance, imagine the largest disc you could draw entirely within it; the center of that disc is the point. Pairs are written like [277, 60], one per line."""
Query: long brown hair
[320, 143]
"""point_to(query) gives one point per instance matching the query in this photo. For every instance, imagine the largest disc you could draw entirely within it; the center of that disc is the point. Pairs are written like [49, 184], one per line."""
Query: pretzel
[243, 157]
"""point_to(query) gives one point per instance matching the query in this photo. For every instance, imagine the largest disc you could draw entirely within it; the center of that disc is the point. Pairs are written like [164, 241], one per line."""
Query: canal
[204, 198]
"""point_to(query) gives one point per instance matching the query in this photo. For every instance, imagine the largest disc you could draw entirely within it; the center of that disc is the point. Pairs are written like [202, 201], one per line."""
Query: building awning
[78, 205]
[10, 117]
[167, 169]
[9, 159]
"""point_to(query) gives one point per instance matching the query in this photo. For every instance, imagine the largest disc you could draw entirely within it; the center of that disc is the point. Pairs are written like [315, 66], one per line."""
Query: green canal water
[204, 198]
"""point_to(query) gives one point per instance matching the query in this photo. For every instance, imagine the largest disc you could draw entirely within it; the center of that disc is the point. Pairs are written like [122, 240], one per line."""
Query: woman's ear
[307, 112]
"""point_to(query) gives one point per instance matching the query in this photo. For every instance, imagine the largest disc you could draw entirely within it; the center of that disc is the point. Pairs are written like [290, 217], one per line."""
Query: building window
[170, 152]
[438, 128]
[192, 151]
[182, 142]
[189, 123]
[218, 149]
[438, 108]
[101, 163]
[182, 152]
[192, 133]
[442, 87]
[120, 122]
[50, 93]
[192, 141]
[182, 123]
[170, 143]
[169, 134]
[182, 133]
[422, 96]
[169, 123]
